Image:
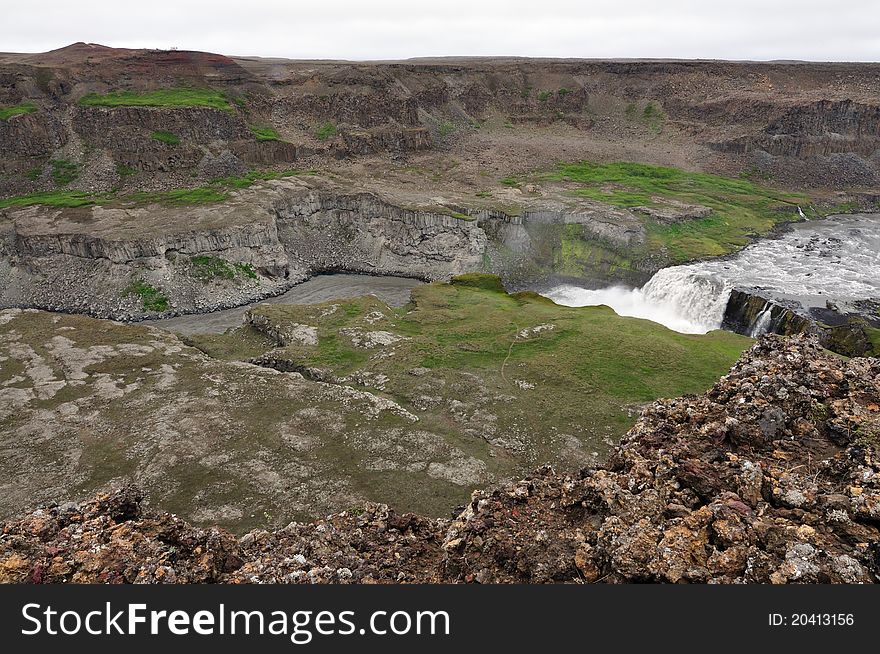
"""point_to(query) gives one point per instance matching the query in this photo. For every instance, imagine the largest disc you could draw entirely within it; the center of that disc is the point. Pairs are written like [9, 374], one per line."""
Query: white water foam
[835, 260]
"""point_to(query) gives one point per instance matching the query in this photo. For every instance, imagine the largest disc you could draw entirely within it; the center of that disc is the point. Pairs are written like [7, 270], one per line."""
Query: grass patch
[573, 371]
[653, 117]
[152, 298]
[63, 171]
[265, 133]
[179, 97]
[741, 209]
[166, 137]
[177, 197]
[543, 96]
[481, 281]
[216, 191]
[18, 110]
[445, 128]
[206, 267]
[61, 199]
[325, 131]
[512, 182]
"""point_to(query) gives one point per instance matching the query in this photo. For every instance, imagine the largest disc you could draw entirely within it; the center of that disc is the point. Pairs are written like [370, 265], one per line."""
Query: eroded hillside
[771, 476]
[308, 410]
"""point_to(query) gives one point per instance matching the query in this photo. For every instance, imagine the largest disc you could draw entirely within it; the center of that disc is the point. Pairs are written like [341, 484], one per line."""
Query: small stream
[394, 291]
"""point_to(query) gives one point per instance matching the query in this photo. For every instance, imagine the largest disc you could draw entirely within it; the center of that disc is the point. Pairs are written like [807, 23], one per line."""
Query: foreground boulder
[772, 476]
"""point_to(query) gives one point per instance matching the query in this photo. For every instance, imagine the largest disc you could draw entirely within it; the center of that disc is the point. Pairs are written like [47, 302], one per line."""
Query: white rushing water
[834, 260]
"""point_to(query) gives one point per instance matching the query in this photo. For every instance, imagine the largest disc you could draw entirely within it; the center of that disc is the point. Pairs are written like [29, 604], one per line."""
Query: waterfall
[682, 298]
[762, 322]
[834, 260]
[692, 293]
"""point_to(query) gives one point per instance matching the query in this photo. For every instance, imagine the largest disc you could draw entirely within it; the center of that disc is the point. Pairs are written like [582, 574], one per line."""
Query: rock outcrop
[772, 476]
[85, 260]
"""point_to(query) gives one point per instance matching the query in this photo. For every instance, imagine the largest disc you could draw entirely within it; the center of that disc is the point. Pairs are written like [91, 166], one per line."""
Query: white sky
[394, 29]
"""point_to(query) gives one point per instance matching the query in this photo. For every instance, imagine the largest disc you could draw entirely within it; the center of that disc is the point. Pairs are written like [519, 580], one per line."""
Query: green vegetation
[511, 181]
[874, 336]
[651, 116]
[325, 131]
[177, 197]
[216, 191]
[63, 171]
[543, 96]
[34, 173]
[66, 199]
[18, 110]
[160, 98]
[740, 208]
[153, 299]
[265, 133]
[570, 371]
[207, 267]
[445, 128]
[480, 280]
[166, 137]
[563, 91]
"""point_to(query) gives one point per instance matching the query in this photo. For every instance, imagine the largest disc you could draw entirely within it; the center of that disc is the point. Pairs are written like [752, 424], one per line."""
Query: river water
[394, 291]
[835, 261]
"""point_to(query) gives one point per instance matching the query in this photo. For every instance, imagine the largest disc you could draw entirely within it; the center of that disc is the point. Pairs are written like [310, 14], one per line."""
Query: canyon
[240, 293]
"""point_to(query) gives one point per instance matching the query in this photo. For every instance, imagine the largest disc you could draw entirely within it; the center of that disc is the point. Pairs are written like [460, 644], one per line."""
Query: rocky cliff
[804, 123]
[772, 476]
[264, 239]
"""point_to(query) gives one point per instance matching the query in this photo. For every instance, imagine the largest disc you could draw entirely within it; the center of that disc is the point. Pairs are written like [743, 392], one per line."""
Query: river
[816, 264]
[394, 291]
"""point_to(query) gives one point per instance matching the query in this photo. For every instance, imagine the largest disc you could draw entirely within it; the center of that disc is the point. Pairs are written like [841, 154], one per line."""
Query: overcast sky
[394, 29]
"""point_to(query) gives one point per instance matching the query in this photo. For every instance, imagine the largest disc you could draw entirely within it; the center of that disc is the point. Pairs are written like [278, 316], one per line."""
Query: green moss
[34, 173]
[18, 110]
[217, 191]
[741, 209]
[445, 128]
[63, 171]
[653, 117]
[874, 336]
[584, 367]
[152, 298]
[325, 132]
[125, 171]
[480, 280]
[577, 253]
[166, 137]
[246, 269]
[206, 267]
[65, 199]
[177, 197]
[265, 133]
[178, 97]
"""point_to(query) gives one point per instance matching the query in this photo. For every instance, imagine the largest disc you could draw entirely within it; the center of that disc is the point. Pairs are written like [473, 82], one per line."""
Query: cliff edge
[770, 476]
